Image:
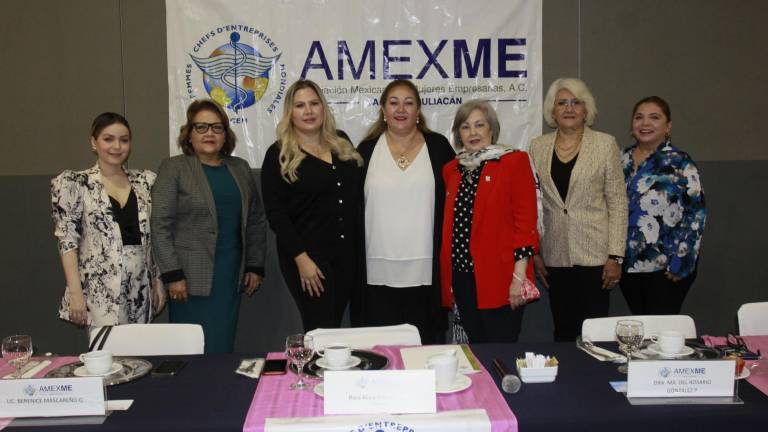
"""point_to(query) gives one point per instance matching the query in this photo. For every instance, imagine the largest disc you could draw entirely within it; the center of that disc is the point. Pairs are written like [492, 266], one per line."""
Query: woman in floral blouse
[666, 214]
[101, 218]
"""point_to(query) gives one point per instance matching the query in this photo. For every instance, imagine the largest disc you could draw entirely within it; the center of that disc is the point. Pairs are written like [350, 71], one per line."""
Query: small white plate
[744, 373]
[83, 372]
[656, 349]
[319, 390]
[353, 361]
[462, 382]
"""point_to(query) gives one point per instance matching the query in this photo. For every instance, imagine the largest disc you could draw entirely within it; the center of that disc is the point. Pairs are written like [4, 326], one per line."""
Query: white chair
[367, 337]
[153, 339]
[753, 319]
[604, 329]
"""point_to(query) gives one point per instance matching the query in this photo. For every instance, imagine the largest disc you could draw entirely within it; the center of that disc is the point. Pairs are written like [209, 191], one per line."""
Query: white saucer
[462, 382]
[744, 373]
[655, 349]
[319, 390]
[353, 361]
[83, 372]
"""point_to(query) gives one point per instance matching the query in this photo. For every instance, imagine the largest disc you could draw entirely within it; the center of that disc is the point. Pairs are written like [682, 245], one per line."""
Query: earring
[385, 119]
[417, 120]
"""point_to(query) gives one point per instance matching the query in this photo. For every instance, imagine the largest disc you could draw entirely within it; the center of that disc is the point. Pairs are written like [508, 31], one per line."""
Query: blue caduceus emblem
[235, 75]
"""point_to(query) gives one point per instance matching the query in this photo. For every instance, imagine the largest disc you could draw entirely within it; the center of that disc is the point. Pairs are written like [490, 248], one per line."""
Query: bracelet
[514, 275]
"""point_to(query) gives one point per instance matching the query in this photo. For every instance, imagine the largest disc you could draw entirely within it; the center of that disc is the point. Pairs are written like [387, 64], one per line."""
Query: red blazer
[503, 219]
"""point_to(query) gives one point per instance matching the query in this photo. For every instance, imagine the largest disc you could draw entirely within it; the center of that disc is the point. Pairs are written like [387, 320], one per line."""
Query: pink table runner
[758, 369]
[274, 398]
[56, 362]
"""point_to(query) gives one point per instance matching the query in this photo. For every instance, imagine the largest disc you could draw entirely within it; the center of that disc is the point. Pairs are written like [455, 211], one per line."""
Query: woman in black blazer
[402, 231]
[311, 185]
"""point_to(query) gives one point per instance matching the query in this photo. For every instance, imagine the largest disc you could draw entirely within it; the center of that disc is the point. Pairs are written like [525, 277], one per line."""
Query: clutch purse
[529, 290]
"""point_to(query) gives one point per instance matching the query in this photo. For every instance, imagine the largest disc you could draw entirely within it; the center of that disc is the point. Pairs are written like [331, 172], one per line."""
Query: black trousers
[385, 305]
[575, 294]
[327, 310]
[654, 294]
[500, 325]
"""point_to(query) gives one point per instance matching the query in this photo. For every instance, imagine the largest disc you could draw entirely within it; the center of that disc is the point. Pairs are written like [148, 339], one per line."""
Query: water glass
[17, 350]
[299, 349]
[630, 334]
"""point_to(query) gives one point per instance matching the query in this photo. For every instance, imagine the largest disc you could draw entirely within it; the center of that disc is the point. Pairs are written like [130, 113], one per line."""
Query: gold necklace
[403, 161]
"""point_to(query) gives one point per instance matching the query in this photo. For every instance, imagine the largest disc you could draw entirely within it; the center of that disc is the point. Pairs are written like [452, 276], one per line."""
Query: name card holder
[384, 391]
[682, 382]
[52, 397]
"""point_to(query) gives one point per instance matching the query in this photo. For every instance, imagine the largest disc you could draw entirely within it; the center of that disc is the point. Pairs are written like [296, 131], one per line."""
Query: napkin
[416, 357]
[603, 354]
[367, 337]
[250, 367]
[34, 371]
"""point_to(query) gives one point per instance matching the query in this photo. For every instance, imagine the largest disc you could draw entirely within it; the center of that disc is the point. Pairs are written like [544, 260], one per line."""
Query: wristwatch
[619, 259]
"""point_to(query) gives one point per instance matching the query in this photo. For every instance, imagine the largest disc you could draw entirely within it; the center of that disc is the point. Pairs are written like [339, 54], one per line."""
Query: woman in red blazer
[489, 228]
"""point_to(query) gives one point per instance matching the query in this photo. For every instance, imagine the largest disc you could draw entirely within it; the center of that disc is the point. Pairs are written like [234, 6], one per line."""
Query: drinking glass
[299, 349]
[17, 350]
[629, 333]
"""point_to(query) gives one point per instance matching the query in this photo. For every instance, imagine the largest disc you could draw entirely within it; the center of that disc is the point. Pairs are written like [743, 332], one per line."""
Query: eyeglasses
[202, 128]
[573, 103]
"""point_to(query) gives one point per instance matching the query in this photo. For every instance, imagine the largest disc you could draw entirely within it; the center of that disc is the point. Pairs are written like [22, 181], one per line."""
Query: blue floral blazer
[666, 212]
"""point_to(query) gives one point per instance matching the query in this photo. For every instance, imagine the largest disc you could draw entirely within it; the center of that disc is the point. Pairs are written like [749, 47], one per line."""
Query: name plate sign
[385, 391]
[680, 378]
[52, 397]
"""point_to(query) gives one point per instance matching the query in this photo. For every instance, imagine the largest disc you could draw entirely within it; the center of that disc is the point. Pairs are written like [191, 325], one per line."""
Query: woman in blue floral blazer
[666, 214]
[101, 218]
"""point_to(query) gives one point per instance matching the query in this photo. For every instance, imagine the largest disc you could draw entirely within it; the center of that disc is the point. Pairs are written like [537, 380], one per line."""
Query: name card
[52, 397]
[385, 391]
[680, 378]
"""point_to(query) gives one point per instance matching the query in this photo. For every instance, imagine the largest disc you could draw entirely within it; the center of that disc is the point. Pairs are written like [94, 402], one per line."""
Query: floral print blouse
[666, 212]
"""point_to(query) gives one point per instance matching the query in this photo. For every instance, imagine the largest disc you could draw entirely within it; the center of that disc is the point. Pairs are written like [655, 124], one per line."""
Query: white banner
[245, 54]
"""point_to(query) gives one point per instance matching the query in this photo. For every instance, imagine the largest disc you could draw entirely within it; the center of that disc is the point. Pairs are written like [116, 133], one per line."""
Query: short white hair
[579, 89]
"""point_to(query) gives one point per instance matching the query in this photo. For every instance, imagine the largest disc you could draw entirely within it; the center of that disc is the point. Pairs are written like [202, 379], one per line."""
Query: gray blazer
[592, 222]
[184, 225]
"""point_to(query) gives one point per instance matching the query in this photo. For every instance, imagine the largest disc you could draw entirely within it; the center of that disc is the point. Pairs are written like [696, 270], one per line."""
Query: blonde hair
[579, 89]
[290, 152]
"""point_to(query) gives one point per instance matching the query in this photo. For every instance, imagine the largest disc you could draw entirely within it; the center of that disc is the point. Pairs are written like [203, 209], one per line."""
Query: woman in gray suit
[585, 209]
[208, 227]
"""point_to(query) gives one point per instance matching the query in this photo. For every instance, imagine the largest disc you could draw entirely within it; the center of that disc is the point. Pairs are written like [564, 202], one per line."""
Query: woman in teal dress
[208, 227]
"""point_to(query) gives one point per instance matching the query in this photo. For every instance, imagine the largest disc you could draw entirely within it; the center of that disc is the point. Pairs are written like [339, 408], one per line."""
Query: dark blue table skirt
[208, 396]
[581, 399]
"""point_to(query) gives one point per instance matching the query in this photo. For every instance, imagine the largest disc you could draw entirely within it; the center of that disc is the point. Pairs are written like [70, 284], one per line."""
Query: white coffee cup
[97, 362]
[445, 365]
[669, 341]
[336, 354]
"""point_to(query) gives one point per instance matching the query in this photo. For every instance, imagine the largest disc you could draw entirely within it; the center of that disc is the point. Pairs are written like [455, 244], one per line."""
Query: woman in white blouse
[404, 195]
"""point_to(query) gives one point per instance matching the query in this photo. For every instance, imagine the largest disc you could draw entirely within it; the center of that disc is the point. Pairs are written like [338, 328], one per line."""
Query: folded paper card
[472, 420]
[416, 357]
[385, 391]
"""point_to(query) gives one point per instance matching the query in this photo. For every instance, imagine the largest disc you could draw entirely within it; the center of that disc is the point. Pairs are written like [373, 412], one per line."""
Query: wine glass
[17, 350]
[629, 333]
[299, 348]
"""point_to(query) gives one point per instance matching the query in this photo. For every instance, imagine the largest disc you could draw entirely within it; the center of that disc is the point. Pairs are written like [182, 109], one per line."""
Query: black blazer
[316, 214]
[440, 153]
